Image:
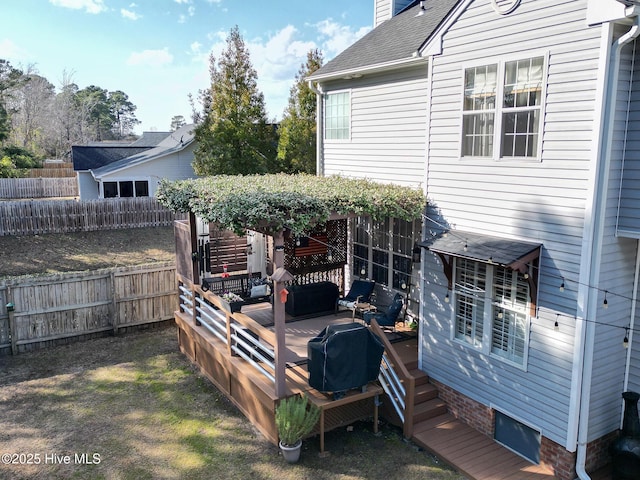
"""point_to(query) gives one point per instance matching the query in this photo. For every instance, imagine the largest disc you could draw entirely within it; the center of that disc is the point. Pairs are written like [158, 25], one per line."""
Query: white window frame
[342, 133]
[491, 305]
[499, 110]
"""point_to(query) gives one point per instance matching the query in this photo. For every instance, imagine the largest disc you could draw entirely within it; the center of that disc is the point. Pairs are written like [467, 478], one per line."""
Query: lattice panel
[323, 249]
[347, 414]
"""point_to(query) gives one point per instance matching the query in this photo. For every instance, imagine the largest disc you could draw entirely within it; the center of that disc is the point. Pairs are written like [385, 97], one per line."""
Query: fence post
[114, 303]
[13, 334]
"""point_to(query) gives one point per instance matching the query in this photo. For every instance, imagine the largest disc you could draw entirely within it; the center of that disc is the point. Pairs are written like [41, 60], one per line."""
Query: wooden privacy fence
[53, 309]
[36, 217]
[38, 187]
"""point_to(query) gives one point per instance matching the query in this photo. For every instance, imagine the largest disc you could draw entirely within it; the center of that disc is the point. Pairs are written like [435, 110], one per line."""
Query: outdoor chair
[359, 292]
[386, 317]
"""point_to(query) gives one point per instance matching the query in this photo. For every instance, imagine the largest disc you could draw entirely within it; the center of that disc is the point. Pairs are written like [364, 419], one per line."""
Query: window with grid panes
[502, 105]
[492, 309]
[337, 116]
[382, 251]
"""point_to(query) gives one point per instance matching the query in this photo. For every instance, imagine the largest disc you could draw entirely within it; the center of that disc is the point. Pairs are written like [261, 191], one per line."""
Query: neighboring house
[520, 119]
[134, 170]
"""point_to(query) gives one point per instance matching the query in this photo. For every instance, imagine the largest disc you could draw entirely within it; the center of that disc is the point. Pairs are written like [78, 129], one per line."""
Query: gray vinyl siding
[541, 200]
[388, 129]
[385, 9]
[617, 270]
[381, 11]
[176, 166]
[629, 210]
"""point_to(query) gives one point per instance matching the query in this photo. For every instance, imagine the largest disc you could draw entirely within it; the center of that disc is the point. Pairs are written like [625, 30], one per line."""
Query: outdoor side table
[325, 402]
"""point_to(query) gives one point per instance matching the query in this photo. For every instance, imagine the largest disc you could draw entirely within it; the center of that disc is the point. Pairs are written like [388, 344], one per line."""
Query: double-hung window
[503, 106]
[491, 309]
[337, 116]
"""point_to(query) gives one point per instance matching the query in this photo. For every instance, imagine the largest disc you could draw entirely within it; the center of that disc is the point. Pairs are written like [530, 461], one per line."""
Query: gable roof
[173, 142]
[395, 41]
[150, 139]
[86, 157]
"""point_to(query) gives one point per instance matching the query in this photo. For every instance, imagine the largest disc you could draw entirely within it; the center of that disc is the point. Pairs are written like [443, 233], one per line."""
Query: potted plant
[295, 418]
[231, 302]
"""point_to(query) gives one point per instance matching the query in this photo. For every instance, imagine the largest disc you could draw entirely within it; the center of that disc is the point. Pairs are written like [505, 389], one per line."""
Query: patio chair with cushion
[359, 292]
[386, 317]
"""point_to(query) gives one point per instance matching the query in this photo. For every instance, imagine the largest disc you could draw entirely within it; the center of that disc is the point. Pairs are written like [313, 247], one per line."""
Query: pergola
[282, 205]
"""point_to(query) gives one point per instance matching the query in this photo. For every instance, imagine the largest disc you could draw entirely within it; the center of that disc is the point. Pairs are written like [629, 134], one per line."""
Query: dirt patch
[70, 252]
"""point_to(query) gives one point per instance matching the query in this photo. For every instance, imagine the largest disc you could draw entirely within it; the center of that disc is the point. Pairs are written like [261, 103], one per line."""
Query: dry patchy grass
[138, 403]
[69, 252]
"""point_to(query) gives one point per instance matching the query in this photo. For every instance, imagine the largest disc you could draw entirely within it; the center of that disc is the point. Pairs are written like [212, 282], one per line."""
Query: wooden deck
[475, 455]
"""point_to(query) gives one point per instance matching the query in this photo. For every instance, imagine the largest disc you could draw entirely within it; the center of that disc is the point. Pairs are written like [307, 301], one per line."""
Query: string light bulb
[446, 298]
[605, 303]
[556, 325]
[625, 340]
[562, 285]
[363, 272]
[466, 247]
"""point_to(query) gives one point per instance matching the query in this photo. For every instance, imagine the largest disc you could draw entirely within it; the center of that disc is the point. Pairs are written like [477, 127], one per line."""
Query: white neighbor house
[520, 120]
[134, 170]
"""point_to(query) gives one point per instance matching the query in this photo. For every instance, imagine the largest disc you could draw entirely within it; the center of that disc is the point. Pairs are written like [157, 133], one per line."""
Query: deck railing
[241, 335]
[397, 382]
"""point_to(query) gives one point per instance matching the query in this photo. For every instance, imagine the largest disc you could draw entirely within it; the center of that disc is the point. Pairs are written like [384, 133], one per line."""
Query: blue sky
[157, 51]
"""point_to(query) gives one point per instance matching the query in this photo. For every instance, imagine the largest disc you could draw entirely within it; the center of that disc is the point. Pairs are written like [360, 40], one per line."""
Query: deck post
[279, 316]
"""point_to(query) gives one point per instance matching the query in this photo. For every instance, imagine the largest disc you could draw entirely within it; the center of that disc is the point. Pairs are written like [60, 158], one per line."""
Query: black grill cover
[342, 357]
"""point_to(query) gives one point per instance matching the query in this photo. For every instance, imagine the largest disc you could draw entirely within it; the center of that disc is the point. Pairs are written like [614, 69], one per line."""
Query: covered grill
[343, 357]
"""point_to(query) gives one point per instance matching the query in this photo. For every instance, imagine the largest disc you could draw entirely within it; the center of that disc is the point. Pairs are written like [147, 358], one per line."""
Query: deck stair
[475, 455]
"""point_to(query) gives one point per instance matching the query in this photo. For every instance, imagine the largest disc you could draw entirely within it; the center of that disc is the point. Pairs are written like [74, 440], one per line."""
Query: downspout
[319, 128]
[632, 324]
[594, 269]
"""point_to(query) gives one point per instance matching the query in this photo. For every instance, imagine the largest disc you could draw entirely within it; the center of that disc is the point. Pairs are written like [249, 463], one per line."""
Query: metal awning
[514, 254]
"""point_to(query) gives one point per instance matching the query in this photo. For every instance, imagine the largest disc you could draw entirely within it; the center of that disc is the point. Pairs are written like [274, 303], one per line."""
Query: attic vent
[503, 7]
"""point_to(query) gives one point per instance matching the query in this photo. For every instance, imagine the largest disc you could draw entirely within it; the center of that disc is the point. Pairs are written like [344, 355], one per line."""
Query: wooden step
[429, 409]
[411, 365]
[425, 392]
[421, 377]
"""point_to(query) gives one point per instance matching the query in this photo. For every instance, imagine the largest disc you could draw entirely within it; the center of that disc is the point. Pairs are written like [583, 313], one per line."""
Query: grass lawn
[133, 407]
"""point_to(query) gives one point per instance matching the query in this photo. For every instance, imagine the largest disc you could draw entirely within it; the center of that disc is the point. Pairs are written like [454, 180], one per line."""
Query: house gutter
[585, 347]
[319, 128]
[632, 324]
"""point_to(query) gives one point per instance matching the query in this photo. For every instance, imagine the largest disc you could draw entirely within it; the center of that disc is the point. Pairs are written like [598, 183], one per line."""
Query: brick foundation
[552, 455]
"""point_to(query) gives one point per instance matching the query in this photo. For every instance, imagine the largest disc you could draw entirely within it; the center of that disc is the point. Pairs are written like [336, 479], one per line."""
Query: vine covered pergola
[271, 203]
[282, 205]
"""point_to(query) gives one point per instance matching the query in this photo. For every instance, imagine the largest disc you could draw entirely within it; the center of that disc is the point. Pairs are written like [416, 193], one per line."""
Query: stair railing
[397, 382]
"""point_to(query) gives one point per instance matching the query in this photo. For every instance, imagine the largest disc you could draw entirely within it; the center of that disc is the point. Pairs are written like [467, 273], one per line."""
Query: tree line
[233, 133]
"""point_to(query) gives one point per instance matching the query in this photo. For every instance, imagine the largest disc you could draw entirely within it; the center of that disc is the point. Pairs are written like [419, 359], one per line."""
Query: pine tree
[235, 136]
[297, 144]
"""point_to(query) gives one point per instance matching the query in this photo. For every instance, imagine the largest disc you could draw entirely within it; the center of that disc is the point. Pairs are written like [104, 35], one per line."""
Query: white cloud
[129, 14]
[337, 37]
[278, 58]
[90, 6]
[183, 1]
[150, 58]
[11, 51]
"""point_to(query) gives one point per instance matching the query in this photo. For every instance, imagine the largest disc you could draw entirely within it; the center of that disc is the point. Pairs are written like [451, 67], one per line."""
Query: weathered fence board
[36, 217]
[59, 307]
[15, 188]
